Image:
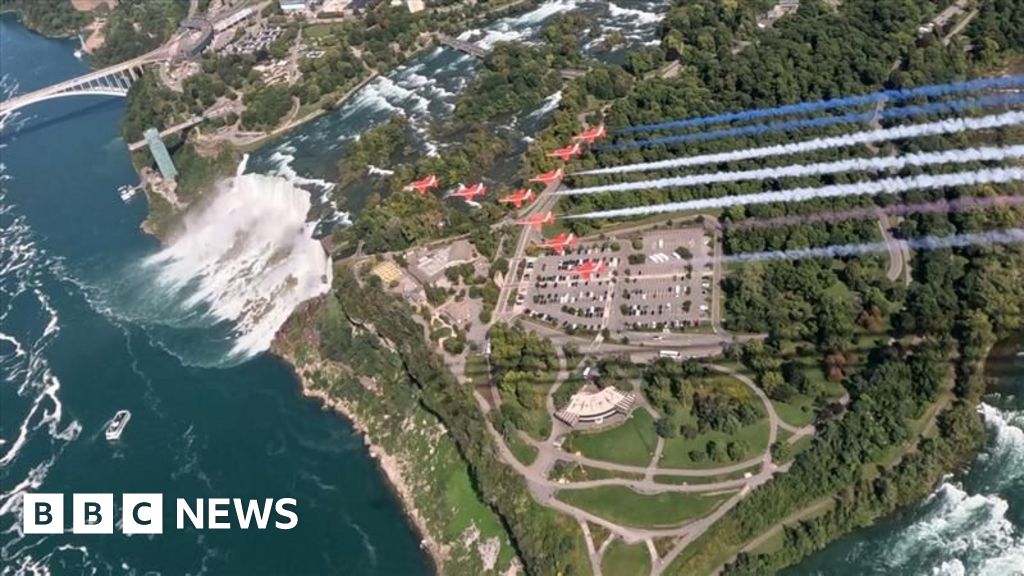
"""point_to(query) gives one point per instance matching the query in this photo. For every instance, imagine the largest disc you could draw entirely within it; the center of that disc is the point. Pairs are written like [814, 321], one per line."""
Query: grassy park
[631, 443]
[624, 506]
[621, 559]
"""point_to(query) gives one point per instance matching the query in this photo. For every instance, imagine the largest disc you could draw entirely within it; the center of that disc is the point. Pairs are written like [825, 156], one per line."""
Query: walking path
[544, 490]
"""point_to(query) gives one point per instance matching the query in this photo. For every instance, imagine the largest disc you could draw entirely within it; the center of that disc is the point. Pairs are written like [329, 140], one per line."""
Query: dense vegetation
[523, 366]
[379, 146]
[546, 541]
[516, 77]
[50, 17]
[135, 27]
[266, 107]
[818, 314]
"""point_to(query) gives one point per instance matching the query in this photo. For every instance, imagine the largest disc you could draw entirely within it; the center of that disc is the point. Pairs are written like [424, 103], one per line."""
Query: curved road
[544, 489]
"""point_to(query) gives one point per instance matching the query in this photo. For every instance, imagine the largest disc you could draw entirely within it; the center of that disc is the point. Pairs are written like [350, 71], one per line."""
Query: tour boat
[118, 424]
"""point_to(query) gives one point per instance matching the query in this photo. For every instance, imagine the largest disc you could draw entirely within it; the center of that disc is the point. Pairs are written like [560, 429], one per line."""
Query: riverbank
[354, 376]
[392, 468]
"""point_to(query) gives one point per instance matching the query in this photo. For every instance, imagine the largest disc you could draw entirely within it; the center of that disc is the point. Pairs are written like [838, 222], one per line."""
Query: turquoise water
[973, 524]
[68, 364]
[86, 329]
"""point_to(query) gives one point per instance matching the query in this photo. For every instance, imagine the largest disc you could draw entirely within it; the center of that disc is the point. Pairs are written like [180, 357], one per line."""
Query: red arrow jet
[537, 221]
[591, 134]
[518, 198]
[469, 192]
[560, 243]
[549, 178]
[424, 185]
[566, 153]
[588, 269]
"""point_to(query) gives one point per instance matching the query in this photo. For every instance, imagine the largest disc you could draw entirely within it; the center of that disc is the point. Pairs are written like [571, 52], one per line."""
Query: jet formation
[523, 195]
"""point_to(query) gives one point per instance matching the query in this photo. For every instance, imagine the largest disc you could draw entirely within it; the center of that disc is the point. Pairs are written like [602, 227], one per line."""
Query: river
[973, 524]
[94, 321]
[97, 317]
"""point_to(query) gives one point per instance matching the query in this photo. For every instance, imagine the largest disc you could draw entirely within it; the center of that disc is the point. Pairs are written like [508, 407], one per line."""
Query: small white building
[293, 6]
[589, 406]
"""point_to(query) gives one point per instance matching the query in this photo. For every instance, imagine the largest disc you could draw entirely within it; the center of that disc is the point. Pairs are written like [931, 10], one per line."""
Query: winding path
[544, 490]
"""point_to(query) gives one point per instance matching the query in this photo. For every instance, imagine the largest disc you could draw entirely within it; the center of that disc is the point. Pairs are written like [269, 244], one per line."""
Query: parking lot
[653, 281]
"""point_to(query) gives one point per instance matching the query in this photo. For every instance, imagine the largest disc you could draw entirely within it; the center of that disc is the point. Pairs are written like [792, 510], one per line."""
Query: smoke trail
[955, 107]
[949, 126]
[941, 206]
[963, 156]
[819, 105]
[1010, 236]
[887, 186]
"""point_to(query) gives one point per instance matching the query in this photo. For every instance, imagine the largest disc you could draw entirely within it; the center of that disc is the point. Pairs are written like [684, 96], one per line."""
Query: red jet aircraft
[591, 134]
[537, 221]
[566, 153]
[549, 178]
[469, 192]
[518, 198]
[588, 269]
[422, 186]
[560, 243]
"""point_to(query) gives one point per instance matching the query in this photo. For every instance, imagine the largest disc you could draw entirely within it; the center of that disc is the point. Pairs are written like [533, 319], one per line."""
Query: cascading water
[248, 258]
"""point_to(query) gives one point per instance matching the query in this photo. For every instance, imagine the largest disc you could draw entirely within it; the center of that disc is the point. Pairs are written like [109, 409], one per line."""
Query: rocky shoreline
[391, 466]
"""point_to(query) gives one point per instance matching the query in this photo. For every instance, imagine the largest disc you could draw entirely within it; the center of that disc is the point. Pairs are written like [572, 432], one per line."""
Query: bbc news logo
[144, 513]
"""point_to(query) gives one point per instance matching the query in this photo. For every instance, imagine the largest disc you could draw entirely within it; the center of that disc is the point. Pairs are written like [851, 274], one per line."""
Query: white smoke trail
[887, 186]
[962, 156]
[950, 126]
[1009, 236]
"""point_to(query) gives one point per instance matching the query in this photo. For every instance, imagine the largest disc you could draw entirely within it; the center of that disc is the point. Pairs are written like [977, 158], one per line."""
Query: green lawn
[799, 411]
[523, 451]
[666, 479]
[799, 446]
[624, 506]
[574, 472]
[621, 559]
[317, 30]
[467, 509]
[631, 443]
[476, 369]
[773, 544]
[677, 450]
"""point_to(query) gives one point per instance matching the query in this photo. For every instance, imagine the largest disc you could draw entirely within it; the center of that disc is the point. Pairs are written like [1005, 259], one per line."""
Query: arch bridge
[110, 81]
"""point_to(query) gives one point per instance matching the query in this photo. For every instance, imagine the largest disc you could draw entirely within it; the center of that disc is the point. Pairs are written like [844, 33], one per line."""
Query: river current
[95, 317]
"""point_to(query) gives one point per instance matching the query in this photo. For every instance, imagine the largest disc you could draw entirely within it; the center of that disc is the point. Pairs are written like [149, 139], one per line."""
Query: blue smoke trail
[1010, 236]
[819, 105]
[956, 106]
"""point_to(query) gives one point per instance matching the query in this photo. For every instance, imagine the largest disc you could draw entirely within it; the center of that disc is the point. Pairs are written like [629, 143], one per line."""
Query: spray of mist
[886, 186]
[247, 258]
[998, 237]
[955, 107]
[939, 207]
[847, 102]
[950, 126]
[962, 156]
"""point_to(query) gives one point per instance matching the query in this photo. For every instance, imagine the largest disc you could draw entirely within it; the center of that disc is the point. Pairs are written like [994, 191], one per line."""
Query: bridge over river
[117, 79]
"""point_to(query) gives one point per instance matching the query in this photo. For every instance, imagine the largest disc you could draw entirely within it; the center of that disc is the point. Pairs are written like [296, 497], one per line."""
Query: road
[898, 251]
[544, 489]
[778, 526]
[545, 202]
